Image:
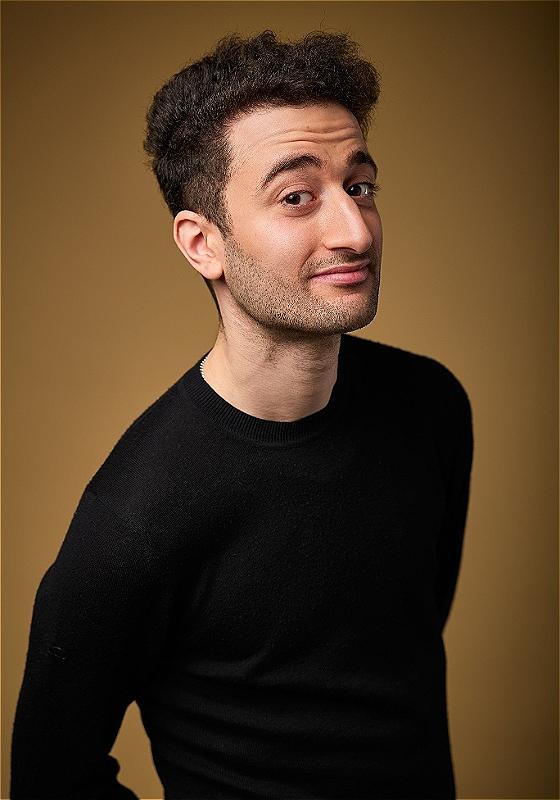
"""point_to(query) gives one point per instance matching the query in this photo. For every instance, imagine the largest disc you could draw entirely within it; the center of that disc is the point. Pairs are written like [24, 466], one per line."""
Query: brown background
[102, 314]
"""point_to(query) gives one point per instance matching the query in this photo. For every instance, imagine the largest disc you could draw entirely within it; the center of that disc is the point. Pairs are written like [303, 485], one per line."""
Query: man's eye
[365, 189]
[289, 198]
[370, 191]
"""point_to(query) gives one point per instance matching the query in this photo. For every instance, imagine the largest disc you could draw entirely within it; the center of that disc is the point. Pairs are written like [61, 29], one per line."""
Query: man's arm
[99, 621]
[455, 435]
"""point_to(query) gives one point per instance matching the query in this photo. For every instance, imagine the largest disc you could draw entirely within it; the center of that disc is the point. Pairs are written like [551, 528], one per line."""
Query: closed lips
[343, 268]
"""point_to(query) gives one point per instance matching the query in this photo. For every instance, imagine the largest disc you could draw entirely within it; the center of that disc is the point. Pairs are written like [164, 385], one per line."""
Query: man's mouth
[344, 273]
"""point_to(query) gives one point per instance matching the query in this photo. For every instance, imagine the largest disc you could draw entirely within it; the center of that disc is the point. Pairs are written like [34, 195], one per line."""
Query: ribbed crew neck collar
[262, 431]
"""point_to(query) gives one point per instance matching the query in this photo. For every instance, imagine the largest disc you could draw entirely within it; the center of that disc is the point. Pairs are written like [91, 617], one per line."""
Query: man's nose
[344, 224]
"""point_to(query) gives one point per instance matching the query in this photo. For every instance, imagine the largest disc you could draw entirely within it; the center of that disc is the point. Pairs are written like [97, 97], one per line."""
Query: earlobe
[191, 237]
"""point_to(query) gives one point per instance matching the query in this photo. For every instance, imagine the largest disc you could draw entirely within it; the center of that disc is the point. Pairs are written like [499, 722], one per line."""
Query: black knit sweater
[271, 594]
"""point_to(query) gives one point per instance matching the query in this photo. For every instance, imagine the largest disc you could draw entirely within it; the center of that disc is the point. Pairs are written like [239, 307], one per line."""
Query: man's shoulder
[149, 460]
[396, 358]
[405, 370]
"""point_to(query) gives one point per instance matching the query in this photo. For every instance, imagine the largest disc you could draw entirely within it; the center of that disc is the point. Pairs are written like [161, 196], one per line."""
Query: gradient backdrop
[102, 314]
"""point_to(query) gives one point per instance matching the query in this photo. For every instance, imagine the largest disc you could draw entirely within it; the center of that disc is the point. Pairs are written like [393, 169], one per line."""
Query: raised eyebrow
[362, 157]
[291, 163]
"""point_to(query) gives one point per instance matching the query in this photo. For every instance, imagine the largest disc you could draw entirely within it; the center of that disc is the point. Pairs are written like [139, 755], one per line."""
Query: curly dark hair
[186, 133]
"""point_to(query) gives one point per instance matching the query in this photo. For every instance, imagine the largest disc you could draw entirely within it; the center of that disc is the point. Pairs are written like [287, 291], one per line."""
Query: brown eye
[289, 198]
[371, 189]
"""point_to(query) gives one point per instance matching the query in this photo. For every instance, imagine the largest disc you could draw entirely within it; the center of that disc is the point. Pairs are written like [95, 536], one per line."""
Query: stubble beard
[293, 309]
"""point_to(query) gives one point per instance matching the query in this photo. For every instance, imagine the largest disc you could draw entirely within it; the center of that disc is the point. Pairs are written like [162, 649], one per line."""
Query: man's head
[216, 132]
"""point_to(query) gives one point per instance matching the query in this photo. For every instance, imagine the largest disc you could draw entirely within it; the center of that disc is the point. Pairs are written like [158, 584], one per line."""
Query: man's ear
[198, 241]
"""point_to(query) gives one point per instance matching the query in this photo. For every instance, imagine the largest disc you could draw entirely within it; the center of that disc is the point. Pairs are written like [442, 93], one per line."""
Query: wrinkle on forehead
[266, 131]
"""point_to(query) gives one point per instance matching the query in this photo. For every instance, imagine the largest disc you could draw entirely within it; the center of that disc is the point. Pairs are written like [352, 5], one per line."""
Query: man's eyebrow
[293, 162]
[361, 157]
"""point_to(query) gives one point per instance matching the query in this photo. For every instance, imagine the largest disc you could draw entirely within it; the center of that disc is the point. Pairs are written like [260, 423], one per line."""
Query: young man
[267, 558]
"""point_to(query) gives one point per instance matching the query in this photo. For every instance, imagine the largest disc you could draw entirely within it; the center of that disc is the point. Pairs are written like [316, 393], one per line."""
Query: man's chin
[354, 321]
[339, 326]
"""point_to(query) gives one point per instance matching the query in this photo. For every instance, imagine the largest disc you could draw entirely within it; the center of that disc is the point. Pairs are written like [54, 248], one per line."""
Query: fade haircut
[188, 119]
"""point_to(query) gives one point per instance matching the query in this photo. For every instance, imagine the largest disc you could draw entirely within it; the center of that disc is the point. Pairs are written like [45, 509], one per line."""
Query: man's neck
[281, 379]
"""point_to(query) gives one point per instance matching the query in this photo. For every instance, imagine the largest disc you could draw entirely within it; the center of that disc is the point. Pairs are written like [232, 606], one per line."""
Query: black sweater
[271, 594]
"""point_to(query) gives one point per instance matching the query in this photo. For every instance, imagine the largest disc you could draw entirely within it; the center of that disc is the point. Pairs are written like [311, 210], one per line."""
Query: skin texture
[276, 355]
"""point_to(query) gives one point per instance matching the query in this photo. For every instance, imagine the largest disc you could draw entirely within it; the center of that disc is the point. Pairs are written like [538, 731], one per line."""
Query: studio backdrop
[102, 314]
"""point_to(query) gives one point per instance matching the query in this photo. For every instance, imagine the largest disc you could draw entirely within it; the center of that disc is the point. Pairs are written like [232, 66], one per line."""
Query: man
[267, 558]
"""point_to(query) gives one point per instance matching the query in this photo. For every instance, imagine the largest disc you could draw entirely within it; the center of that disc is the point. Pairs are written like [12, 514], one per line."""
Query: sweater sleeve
[455, 436]
[99, 621]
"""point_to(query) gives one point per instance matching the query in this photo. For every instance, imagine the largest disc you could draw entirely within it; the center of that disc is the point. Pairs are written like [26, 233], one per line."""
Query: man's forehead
[262, 135]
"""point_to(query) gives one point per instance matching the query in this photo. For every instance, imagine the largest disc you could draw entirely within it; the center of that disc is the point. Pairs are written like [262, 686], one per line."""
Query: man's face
[305, 219]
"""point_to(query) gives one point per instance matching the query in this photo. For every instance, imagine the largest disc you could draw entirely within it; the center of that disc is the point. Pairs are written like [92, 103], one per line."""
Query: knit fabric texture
[271, 594]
